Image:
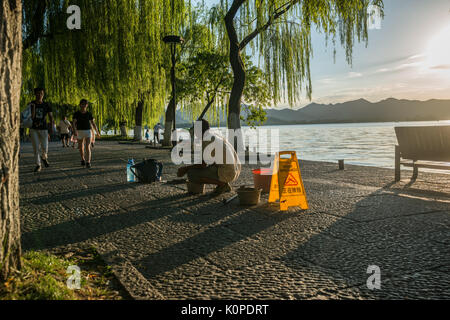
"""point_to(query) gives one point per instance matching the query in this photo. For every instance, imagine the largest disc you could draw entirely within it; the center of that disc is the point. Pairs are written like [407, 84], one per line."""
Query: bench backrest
[424, 143]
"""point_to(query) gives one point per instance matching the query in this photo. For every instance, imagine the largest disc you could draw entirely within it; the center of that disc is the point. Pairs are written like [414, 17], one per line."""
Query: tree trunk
[168, 124]
[210, 102]
[138, 121]
[234, 104]
[123, 128]
[10, 79]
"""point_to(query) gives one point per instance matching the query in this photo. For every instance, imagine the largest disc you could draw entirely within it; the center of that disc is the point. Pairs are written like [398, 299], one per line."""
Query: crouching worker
[222, 170]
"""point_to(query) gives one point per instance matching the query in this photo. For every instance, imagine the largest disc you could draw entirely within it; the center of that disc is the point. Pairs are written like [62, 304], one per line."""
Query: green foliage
[118, 57]
[115, 60]
[279, 32]
[43, 277]
[253, 116]
[207, 80]
[109, 125]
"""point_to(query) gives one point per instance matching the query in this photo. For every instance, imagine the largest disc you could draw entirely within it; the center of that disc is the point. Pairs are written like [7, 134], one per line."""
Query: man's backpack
[148, 171]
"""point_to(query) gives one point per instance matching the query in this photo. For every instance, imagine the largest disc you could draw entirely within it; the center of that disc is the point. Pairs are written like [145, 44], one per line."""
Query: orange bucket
[262, 178]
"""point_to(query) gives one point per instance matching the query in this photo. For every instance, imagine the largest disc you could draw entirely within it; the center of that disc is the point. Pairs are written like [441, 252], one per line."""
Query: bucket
[262, 178]
[195, 188]
[249, 196]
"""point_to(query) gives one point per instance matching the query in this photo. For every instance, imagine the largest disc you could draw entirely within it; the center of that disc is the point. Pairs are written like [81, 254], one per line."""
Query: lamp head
[173, 39]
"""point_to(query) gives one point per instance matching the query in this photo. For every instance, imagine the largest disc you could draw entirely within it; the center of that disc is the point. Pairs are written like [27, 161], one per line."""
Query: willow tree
[206, 82]
[280, 32]
[117, 60]
[10, 80]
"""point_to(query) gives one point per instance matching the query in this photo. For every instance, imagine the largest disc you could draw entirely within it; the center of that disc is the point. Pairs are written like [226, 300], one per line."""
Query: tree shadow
[62, 197]
[92, 226]
[414, 187]
[399, 234]
[204, 243]
[86, 173]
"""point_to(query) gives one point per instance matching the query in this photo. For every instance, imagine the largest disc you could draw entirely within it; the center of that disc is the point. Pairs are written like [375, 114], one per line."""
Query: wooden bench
[419, 144]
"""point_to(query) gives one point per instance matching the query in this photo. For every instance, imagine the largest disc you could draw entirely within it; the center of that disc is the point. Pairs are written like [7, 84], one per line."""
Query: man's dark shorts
[65, 136]
[210, 172]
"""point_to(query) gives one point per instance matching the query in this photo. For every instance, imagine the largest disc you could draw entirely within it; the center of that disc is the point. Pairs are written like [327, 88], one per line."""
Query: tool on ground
[287, 184]
[176, 181]
[227, 201]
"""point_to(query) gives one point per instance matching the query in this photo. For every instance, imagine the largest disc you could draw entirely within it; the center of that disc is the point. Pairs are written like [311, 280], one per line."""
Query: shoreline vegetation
[114, 137]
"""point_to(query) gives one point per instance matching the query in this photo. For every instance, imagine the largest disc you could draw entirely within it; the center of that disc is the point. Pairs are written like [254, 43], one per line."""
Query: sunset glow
[439, 52]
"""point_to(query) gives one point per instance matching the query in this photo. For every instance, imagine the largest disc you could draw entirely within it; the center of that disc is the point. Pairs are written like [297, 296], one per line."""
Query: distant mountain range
[389, 110]
[361, 110]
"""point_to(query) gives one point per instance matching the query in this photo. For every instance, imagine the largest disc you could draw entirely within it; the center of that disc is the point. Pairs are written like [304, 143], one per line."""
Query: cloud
[441, 67]
[417, 56]
[407, 65]
[326, 81]
[399, 67]
[354, 75]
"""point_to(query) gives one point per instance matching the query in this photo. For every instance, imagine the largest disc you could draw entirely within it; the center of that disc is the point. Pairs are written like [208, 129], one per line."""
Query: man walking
[83, 122]
[39, 130]
[156, 129]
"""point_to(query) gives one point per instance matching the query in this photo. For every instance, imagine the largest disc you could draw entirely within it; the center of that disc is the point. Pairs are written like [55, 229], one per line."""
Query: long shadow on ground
[407, 238]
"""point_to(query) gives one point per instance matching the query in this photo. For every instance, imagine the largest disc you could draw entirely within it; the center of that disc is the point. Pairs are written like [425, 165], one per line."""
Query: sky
[407, 58]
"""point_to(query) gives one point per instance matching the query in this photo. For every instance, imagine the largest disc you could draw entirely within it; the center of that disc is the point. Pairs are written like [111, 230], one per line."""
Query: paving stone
[163, 243]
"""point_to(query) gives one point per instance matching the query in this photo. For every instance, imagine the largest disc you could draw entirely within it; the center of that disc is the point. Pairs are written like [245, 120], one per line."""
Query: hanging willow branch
[117, 59]
[278, 13]
[278, 33]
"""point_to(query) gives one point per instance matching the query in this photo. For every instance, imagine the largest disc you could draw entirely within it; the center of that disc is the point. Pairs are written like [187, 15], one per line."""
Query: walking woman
[83, 123]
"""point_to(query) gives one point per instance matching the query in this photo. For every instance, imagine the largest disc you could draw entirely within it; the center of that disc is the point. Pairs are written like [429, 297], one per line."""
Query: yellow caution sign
[287, 184]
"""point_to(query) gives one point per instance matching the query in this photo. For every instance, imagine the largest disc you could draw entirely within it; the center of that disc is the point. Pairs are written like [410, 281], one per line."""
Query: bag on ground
[150, 170]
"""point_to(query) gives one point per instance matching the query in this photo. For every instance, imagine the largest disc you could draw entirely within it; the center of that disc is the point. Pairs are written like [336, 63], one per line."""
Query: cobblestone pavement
[165, 244]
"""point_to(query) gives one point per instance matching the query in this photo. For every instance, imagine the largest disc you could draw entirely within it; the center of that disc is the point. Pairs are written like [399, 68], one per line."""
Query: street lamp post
[173, 41]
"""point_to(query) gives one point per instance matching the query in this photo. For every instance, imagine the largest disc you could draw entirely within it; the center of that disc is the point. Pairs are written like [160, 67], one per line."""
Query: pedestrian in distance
[39, 131]
[83, 122]
[64, 129]
[156, 129]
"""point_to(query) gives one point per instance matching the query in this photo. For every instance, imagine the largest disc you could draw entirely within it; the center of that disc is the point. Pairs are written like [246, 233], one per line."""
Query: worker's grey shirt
[228, 164]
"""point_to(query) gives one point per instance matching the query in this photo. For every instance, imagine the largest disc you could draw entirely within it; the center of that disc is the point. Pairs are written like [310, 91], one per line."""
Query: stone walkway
[165, 244]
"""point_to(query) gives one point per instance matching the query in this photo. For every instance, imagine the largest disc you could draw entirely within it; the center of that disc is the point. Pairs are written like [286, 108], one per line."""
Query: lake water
[368, 144]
